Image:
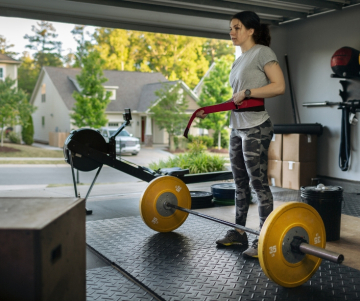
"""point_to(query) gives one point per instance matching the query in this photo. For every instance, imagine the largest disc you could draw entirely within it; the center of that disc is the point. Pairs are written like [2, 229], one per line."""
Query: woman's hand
[201, 114]
[239, 97]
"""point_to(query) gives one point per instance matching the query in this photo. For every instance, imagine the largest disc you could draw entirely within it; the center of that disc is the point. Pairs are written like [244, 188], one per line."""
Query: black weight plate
[223, 190]
[90, 138]
[201, 199]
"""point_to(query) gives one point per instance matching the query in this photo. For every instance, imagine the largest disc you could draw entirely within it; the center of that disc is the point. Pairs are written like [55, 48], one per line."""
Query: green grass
[27, 151]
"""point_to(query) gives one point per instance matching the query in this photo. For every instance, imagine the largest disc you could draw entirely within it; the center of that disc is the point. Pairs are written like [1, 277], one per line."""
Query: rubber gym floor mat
[287, 196]
[187, 265]
[107, 283]
[351, 205]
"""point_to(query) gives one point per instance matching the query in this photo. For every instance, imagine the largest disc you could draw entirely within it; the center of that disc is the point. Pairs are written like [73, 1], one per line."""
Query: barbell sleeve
[321, 253]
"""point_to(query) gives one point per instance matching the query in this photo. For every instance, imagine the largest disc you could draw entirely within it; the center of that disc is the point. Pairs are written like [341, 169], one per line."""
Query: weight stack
[327, 200]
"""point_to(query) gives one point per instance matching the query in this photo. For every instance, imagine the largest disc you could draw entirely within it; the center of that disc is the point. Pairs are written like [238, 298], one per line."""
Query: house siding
[53, 110]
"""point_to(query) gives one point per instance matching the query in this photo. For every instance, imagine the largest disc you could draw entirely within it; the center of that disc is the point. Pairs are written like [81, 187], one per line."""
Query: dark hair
[251, 20]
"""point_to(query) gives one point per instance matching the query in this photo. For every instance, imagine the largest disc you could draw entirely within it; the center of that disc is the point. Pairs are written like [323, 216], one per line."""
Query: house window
[113, 94]
[2, 73]
[43, 93]
[115, 124]
[43, 121]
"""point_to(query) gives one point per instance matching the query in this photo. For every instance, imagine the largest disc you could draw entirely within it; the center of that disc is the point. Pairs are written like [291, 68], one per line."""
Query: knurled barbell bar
[291, 242]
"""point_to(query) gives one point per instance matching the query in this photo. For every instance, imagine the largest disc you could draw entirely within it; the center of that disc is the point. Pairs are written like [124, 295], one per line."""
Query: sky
[14, 30]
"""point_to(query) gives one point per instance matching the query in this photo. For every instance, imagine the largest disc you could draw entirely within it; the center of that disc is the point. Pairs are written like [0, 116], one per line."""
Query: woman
[255, 74]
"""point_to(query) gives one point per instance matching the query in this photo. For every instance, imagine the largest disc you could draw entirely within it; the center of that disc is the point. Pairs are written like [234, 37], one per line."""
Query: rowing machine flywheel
[90, 138]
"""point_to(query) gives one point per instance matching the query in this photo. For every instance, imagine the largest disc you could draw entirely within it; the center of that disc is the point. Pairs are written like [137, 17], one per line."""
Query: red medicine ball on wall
[345, 62]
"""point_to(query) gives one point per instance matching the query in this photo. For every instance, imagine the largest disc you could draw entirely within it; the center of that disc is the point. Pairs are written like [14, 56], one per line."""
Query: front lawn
[11, 150]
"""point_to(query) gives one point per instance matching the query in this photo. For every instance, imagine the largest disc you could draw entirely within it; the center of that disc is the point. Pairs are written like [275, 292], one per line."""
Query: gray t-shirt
[247, 72]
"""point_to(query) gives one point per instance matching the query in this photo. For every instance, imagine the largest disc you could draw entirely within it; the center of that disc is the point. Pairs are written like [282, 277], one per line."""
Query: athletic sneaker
[252, 251]
[233, 237]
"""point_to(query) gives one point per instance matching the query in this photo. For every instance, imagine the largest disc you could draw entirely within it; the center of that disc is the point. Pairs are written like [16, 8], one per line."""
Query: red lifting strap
[226, 106]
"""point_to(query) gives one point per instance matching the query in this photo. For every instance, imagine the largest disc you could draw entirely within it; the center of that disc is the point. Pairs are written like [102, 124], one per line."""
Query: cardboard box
[42, 254]
[299, 147]
[297, 174]
[275, 148]
[275, 173]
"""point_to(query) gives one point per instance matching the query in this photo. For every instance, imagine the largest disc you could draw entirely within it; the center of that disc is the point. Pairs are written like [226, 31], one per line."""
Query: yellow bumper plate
[160, 190]
[290, 217]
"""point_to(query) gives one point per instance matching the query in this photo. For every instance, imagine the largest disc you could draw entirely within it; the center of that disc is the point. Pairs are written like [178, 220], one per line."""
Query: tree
[92, 100]
[116, 47]
[83, 46]
[48, 51]
[218, 49]
[176, 57]
[216, 90]
[169, 112]
[14, 106]
[4, 47]
[27, 132]
[27, 74]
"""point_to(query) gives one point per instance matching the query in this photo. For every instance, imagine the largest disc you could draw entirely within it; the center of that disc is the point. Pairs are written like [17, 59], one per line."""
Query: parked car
[125, 143]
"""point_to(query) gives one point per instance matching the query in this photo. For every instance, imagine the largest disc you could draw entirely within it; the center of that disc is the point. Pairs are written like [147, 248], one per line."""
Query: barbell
[291, 242]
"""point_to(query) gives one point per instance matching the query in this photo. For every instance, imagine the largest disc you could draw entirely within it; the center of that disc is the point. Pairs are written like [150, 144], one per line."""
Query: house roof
[7, 59]
[135, 89]
[148, 96]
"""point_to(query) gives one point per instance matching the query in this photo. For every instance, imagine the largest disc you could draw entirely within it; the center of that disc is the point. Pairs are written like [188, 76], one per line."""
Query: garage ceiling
[204, 18]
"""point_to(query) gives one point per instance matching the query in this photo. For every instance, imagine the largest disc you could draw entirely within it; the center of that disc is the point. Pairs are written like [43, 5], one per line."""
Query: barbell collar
[169, 205]
[321, 253]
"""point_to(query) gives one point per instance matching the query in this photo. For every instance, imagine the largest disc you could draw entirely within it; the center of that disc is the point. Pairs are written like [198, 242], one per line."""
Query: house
[8, 67]
[135, 90]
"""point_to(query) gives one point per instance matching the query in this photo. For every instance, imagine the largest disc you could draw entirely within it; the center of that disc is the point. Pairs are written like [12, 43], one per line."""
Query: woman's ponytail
[262, 35]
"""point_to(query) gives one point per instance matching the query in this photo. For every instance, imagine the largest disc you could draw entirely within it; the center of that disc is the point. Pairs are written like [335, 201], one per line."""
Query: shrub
[224, 139]
[196, 148]
[196, 161]
[176, 142]
[27, 132]
[208, 141]
[14, 137]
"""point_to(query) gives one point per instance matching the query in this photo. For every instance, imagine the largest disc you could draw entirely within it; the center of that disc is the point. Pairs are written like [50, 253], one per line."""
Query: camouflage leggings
[249, 162]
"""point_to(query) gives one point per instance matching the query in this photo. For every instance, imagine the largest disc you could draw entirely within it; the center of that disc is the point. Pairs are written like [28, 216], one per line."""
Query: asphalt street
[31, 174]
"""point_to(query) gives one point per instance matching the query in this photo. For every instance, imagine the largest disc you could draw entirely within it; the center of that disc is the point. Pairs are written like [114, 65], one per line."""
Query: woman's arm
[275, 88]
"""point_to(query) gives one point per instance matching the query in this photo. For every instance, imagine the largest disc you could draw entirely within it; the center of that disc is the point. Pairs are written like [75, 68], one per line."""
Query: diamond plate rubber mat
[107, 283]
[187, 265]
[351, 204]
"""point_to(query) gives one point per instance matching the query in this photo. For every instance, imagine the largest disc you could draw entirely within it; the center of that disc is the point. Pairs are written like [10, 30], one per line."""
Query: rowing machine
[86, 150]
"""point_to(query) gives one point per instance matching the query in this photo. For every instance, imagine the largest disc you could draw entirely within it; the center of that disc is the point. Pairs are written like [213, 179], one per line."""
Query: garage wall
[310, 45]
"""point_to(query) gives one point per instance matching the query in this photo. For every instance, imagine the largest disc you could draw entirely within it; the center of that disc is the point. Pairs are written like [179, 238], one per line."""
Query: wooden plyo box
[42, 249]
